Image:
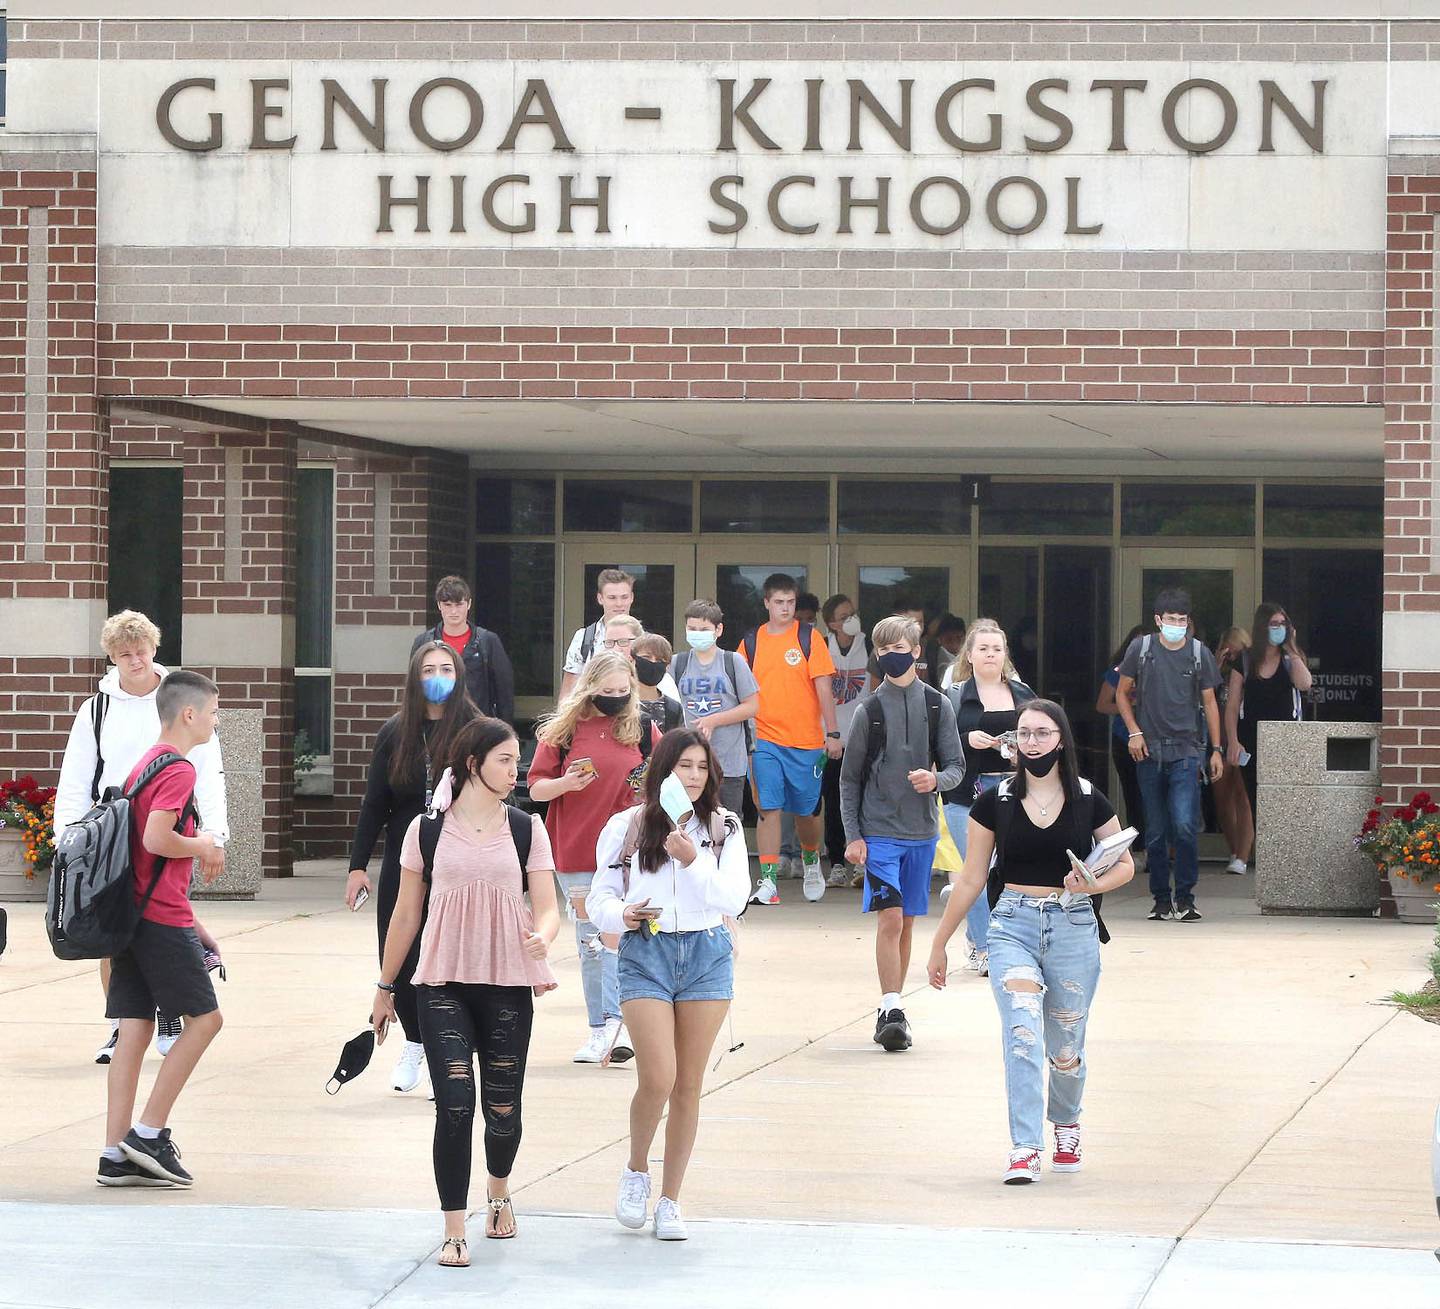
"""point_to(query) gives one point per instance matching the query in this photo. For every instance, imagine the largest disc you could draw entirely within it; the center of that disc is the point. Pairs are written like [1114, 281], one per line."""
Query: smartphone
[360, 901]
[584, 764]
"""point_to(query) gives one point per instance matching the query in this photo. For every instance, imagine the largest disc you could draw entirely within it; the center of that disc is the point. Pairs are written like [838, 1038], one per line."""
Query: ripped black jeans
[458, 1021]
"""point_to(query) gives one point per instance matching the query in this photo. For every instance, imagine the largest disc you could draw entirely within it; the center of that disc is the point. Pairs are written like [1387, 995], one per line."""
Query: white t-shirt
[849, 679]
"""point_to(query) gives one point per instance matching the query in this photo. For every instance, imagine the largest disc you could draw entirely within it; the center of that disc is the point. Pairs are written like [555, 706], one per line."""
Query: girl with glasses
[1045, 932]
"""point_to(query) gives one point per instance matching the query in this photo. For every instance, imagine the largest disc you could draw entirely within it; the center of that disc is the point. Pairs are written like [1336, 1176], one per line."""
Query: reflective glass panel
[627, 504]
[770, 507]
[515, 596]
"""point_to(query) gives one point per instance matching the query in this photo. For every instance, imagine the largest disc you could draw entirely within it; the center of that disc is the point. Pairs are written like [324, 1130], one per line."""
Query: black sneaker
[892, 1031]
[127, 1173]
[1162, 912]
[1187, 913]
[159, 1157]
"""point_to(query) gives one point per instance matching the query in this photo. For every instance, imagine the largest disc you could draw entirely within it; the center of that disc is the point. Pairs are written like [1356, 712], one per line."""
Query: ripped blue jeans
[1058, 948]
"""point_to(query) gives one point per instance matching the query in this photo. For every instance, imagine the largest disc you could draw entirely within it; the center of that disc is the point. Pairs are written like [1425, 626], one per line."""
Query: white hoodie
[131, 727]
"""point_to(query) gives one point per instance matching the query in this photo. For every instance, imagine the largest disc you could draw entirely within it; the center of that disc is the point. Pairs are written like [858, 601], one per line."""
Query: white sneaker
[814, 884]
[765, 892]
[103, 1055]
[972, 960]
[1237, 866]
[633, 1198]
[410, 1068]
[945, 894]
[839, 875]
[593, 1051]
[617, 1042]
[669, 1226]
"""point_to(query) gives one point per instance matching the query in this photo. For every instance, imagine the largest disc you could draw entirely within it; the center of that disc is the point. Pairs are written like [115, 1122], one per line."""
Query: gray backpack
[91, 911]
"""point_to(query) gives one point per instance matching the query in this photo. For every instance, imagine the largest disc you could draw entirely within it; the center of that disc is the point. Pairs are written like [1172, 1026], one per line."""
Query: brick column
[52, 458]
[1410, 740]
[239, 614]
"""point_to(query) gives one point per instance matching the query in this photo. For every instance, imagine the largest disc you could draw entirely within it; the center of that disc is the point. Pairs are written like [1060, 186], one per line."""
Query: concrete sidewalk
[1245, 1083]
[229, 1258]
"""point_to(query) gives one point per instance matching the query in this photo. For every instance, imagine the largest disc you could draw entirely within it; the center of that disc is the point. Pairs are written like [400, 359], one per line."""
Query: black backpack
[91, 911]
[1005, 814]
[752, 637]
[520, 832]
[875, 727]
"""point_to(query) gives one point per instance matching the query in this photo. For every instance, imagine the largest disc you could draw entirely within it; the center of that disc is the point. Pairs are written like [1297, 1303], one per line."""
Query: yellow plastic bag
[947, 857]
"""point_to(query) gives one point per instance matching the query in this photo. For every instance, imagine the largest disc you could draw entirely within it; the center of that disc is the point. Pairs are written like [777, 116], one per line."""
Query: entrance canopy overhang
[849, 436]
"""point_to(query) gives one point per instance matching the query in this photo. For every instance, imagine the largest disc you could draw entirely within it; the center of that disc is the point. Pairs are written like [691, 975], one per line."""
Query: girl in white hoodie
[669, 887]
[113, 729]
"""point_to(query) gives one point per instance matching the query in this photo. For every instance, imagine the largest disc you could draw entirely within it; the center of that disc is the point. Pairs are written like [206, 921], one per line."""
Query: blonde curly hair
[128, 627]
[557, 728]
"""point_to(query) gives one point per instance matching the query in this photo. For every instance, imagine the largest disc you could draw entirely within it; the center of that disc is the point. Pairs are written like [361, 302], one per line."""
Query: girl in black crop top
[1044, 949]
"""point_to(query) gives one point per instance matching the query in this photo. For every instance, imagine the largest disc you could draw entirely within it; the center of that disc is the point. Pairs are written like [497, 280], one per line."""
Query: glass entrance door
[1221, 583]
[885, 579]
[734, 573]
[664, 584]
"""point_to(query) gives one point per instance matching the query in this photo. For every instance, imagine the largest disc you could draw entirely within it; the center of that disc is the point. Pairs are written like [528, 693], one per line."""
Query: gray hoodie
[888, 805]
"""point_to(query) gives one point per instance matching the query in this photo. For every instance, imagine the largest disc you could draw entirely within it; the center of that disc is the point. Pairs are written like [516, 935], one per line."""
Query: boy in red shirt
[163, 966]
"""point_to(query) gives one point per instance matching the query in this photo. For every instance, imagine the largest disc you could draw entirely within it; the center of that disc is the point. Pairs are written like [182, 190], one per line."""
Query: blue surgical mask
[1173, 632]
[700, 640]
[437, 689]
[1278, 635]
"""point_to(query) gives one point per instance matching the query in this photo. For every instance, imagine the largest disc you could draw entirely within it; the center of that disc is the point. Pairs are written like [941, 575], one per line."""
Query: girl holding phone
[588, 752]
[670, 872]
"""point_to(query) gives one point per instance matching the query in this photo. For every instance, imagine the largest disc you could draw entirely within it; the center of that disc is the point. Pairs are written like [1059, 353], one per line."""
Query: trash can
[1315, 784]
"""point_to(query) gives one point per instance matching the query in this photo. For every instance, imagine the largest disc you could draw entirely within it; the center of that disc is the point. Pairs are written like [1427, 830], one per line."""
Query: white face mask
[851, 626]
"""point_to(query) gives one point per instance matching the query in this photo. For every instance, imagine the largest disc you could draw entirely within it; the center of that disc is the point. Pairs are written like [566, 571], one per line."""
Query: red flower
[1407, 814]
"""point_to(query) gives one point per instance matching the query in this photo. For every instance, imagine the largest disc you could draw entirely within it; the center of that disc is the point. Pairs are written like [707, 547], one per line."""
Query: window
[628, 504]
[1046, 509]
[4, 59]
[515, 589]
[909, 508]
[772, 507]
[1187, 509]
[514, 506]
[145, 555]
[1333, 510]
[314, 609]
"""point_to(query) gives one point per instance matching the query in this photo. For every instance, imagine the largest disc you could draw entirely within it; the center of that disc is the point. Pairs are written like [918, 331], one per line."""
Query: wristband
[832, 736]
[1212, 749]
[1133, 735]
[387, 987]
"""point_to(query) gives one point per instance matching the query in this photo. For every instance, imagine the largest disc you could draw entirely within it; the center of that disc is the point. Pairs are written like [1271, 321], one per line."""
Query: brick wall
[623, 363]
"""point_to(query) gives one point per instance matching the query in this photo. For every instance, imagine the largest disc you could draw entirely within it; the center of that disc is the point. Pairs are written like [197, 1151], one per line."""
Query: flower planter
[1414, 902]
[14, 885]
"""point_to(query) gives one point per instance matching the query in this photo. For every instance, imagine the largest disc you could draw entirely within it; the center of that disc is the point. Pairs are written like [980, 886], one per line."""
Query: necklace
[1044, 805]
[482, 827]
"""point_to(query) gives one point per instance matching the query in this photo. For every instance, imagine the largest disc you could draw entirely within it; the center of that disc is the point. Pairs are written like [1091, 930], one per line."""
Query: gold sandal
[497, 1205]
[461, 1249]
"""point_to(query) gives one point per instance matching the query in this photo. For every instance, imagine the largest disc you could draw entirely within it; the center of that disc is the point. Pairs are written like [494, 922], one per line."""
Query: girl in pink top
[482, 962]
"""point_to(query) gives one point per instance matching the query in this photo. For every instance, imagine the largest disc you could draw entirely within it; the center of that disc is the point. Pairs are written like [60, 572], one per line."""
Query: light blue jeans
[599, 966]
[1034, 940]
[957, 819]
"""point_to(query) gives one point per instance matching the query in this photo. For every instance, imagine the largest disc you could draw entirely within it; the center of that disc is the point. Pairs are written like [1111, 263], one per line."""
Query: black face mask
[1040, 765]
[610, 705]
[354, 1059]
[649, 672]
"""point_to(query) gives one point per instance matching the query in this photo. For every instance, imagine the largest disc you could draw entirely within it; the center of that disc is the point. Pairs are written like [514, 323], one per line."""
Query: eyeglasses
[619, 643]
[1039, 735]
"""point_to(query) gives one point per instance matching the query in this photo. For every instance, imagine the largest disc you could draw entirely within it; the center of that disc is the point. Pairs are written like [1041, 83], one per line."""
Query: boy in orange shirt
[795, 729]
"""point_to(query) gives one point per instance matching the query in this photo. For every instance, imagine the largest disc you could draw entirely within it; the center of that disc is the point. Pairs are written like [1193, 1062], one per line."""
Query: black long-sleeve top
[388, 807]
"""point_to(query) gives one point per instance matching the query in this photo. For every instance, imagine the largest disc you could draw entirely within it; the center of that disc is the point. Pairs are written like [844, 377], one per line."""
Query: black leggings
[834, 827]
[460, 1020]
[387, 891]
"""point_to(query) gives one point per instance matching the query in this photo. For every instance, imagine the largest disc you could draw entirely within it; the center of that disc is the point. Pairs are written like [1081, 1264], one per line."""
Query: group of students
[644, 791]
[1184, 715]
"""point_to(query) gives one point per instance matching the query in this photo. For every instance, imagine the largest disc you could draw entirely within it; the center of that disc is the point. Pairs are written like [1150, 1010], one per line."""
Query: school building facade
[1020, 318]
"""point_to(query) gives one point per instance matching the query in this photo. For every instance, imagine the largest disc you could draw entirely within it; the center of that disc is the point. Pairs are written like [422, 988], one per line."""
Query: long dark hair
[655, 824]
[475, 740]
[407, 758]
[1138, 630]
[1260, 631]
[1068, 764]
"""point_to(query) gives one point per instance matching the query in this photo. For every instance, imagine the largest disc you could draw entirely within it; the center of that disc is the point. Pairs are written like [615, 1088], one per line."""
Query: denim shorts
[677, 966]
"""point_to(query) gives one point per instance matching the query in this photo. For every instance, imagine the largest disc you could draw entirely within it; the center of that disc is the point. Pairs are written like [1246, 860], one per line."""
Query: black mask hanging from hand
[353, 1060]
